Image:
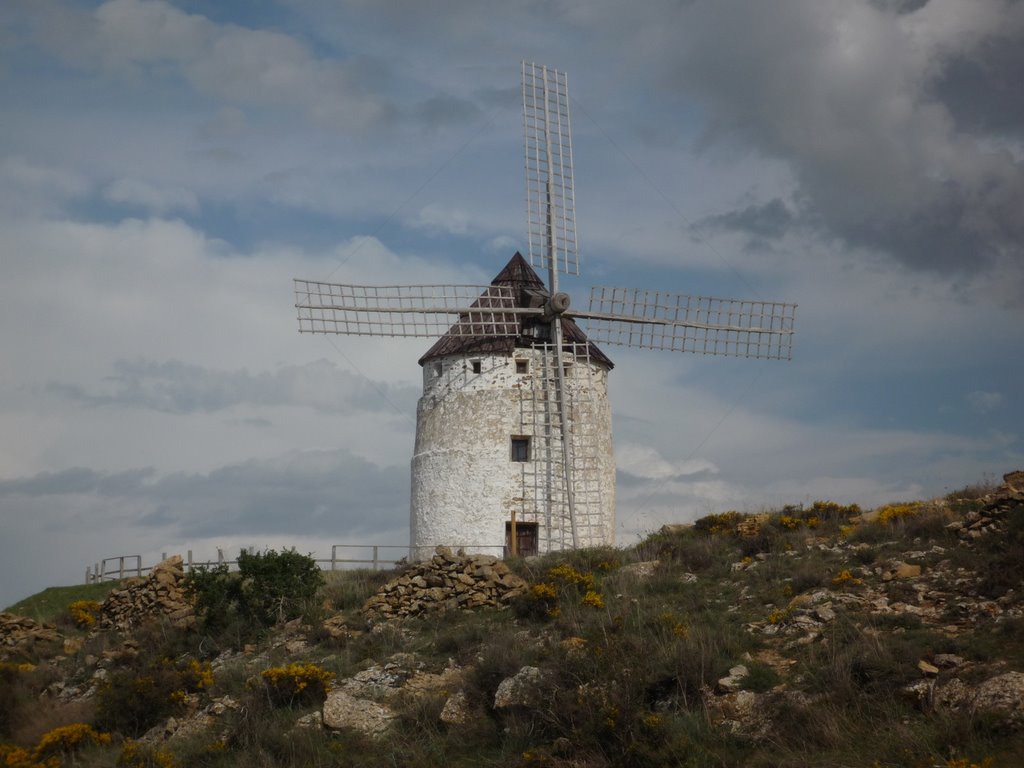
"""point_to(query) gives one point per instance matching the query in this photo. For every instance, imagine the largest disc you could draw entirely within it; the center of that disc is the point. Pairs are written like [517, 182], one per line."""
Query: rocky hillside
[817, 635]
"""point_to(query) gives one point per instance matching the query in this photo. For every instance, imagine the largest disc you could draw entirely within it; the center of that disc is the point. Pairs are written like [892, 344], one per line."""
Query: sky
[168, 166]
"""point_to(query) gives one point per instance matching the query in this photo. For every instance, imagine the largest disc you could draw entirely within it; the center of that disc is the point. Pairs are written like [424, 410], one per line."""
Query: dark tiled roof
[528, 291]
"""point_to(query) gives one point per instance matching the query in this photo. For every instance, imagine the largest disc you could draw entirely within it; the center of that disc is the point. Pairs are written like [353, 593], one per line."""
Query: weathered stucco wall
[464, 482]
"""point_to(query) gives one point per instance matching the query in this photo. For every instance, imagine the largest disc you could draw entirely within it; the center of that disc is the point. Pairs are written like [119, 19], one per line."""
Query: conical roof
[528, 291]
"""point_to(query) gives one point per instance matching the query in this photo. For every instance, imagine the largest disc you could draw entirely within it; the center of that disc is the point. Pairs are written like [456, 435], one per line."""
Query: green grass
[53, 601]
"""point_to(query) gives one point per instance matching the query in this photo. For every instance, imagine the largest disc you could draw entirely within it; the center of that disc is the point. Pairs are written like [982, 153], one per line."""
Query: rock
[641, 570]
[520, 690]
[21, 637]
[947, 660]
[928, 670]
[734, 681]
[159, 594]
[824, 613]
[1004, 695]
[900, 570]
[457, 710]
[342, 710]
[445, 582]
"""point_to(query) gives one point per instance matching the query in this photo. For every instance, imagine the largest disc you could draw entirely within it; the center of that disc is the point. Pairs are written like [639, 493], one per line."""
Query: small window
[522, 366]
[438, 370]
[476, 366]
[520, 449]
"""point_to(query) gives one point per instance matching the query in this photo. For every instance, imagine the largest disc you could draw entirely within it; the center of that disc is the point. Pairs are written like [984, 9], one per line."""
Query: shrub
[720, 523]
[270, 587]
[890, 513]
[131, 704]
[135, 755]
[1002, 568]
[84, 613]
[68, 739]
[296, 684]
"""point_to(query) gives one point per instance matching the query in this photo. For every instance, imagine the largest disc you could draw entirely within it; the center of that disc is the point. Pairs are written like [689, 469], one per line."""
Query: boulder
[343, 710]
[523, 689]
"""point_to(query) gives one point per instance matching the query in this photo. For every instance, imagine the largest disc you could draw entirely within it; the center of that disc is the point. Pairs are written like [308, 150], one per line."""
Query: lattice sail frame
[407, 310]
[547, 150]
[675, 322]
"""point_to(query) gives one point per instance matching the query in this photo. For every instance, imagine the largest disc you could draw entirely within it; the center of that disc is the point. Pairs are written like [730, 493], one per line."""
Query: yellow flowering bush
[790, 523]
[544, 591]
[890, 513]
[67, 739]
[297, 684]
[593, 599]
[197, 675]
[85, 613]
[18, 757]
[719, 523]
[674, 624]
[846, 579]
[830, 510]
[566, 574]
[135, 755]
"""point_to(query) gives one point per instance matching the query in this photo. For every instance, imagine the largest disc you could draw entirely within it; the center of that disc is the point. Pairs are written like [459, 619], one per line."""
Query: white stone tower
[487, 460]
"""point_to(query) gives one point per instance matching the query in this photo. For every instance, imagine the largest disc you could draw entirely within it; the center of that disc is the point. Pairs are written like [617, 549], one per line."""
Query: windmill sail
[550, 198]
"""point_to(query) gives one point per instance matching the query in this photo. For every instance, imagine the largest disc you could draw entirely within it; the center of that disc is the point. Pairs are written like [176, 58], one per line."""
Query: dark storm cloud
[770, 220]
[877, 110]
[299, 493]
[77, 480]
[443, 111]
[983, 92]
[176, 387]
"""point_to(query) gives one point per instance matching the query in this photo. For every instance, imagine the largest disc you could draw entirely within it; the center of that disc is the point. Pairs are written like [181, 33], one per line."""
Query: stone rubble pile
[159, 594]
[446, 582]
[20, 635]
[991, 517]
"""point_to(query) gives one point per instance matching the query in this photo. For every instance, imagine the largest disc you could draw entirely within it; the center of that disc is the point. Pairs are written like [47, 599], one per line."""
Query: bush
[84, 613]
[296, 684]
[270, 587]
[1003, 567]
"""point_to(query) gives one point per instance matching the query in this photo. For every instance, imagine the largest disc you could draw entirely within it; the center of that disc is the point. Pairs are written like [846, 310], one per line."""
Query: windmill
[514, 428]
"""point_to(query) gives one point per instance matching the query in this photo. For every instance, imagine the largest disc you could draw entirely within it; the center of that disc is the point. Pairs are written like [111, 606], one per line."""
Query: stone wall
[446, 582]
[159, 594]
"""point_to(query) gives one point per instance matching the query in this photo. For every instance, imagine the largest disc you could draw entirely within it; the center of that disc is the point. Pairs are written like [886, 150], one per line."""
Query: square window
[476, 366]
[438, 369]
[522, 366]
[520, 449]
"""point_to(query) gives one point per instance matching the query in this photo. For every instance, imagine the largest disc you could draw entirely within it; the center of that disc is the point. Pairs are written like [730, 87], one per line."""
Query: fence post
[190, 561]
[88, 574]
[120, 571]
[375, 557]
[334, 557]
[138, 566]
[220, 555]
[163, 556]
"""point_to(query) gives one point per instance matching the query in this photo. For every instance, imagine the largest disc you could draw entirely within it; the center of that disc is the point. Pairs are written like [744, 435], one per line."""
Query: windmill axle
[557, 304]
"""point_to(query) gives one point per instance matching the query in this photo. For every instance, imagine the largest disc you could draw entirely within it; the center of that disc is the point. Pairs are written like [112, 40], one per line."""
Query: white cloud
[156, 199]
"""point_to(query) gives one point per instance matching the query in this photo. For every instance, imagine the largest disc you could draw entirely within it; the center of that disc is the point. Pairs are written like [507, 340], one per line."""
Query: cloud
[303, 493]
[157, 199]
[176, 387]
[437, 218]
[860, 101]
[768, 220]
[231, 63]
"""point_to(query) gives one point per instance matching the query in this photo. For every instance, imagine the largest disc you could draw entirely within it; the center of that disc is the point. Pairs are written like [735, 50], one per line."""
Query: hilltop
[814, 635]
